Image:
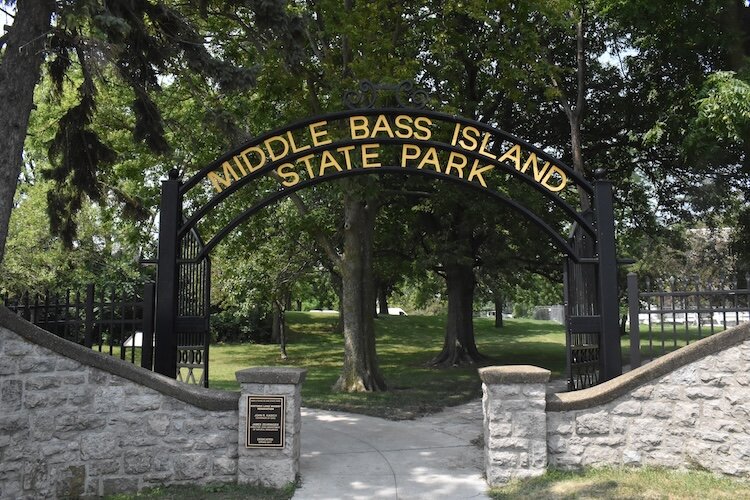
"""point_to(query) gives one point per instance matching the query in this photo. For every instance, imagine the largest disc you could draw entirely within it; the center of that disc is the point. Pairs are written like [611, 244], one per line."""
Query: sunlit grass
[405, 345]
[625, 483]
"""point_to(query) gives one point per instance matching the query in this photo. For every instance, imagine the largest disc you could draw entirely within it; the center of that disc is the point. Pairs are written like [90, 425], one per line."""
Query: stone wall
[74, 422]
[689, 409]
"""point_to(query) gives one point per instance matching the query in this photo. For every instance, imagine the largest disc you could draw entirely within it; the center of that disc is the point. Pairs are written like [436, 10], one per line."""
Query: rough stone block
[712, 436]
[43, 382]
[44, 399]
[592, 423]
[530, 424]
[191, 466]
[158, 424]
[504, 459]
[113, 486]
[497, 476]
[698, 392]
[516, 444]
[70, 481]
[137, 462]
[687, 375]
[211, 442]
[565, 461]
[538, 455]
[620, 425]
[500, 428]
[224, 466]
[36, 364]
[534, 391]
[11, 394]
[499, 391]
[8, 366]
[628, 408]
[599, 456]
[81, 396]
[272, 473]
[141, 403]
[68, 365]
[104, 467]
[643, 392]
[631, 457]
[685, 413]
[657, 409]
[10, 424]
[18, 347]
[522, 405]
[98, 446]
[100, 378]
[560, 423]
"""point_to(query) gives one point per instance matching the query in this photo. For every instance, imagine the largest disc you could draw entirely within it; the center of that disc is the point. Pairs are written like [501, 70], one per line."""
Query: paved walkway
[348, 456]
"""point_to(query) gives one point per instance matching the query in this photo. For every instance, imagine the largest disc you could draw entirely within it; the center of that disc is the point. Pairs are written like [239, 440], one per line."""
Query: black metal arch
[558, 240]
[340, 115]
[269, 166]
[601, 323]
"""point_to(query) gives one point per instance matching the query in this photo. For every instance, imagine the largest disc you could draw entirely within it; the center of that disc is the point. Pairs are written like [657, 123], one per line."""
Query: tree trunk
[361, 371]
[498, 298]
[383, 300]
[278, 329]
[19, 73]
[459, 347]
[275, 321]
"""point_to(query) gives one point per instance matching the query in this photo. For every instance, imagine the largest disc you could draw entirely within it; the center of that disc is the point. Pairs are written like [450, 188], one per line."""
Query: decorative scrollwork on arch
[401, 95]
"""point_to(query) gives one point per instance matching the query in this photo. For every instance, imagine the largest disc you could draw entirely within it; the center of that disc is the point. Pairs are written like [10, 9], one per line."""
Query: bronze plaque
[265, 421]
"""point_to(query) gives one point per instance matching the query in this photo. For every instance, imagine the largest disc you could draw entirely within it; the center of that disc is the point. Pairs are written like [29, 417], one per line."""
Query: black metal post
[165, 360]
[634, 308]
[611, 353]
[88, 328]
[147, 340]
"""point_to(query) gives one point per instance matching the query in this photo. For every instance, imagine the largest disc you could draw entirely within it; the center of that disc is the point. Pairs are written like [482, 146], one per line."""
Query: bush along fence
[670, 314]
[118, 321]
[76, 424]
[687, 409]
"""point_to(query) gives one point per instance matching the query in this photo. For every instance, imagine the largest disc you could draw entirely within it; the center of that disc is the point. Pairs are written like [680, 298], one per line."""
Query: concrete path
[348, 456]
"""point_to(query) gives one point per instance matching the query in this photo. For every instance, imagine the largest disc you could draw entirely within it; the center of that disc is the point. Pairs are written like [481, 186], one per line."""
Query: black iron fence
[118, 321]
[670, 314]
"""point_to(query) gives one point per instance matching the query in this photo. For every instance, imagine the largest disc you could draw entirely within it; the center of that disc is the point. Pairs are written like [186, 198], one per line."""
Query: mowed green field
[405, 345]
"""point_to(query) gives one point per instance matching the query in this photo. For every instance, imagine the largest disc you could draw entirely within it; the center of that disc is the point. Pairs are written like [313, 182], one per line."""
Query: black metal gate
[193, 311]
[591, 295]
[583, 320]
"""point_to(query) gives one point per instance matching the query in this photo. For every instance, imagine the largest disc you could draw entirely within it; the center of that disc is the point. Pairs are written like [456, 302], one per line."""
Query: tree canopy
[102, 99]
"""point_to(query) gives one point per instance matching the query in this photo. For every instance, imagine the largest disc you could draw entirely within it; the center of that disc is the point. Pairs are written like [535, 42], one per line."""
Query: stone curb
[612, 389]
[208, 399]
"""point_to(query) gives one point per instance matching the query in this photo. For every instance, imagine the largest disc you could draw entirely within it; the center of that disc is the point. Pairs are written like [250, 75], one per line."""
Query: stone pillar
[265, 457]
[515, 422]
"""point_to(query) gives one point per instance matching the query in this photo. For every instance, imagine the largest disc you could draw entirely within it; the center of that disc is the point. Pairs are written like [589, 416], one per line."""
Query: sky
[5, 16]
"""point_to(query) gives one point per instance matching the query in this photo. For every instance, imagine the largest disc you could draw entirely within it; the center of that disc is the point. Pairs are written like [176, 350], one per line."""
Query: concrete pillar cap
[271, 375]
[514, 374]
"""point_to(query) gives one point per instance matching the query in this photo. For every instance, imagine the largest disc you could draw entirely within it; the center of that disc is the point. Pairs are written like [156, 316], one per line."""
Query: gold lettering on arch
[415, 141]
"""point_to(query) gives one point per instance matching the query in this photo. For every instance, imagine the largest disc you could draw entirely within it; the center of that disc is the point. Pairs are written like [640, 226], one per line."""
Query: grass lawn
[405, 345]
[625, 483]
[214, 492]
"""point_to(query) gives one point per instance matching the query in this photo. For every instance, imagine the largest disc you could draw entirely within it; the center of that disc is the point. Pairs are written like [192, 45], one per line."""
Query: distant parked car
[396, 311]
